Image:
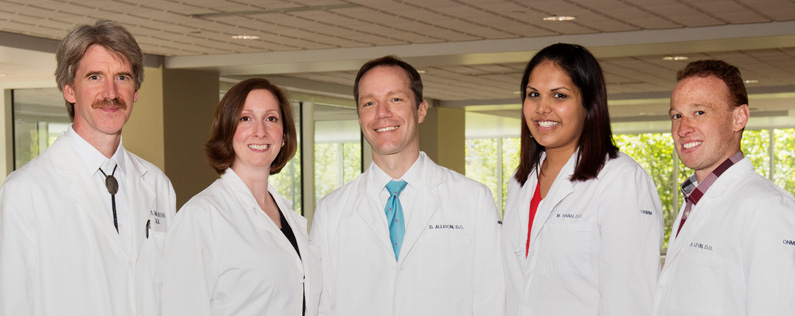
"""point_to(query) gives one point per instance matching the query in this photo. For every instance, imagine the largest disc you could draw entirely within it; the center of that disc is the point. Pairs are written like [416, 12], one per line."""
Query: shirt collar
[693, 191]
[92, 158]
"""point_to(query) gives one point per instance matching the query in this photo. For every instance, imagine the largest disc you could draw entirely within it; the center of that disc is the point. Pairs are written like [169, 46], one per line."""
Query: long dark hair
[596, 139]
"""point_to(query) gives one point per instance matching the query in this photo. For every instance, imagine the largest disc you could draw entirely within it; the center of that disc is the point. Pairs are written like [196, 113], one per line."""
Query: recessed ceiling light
[559, 18]
[517, 92]
[751, 81]
[675, 58]
[245, 37]
[421, 71]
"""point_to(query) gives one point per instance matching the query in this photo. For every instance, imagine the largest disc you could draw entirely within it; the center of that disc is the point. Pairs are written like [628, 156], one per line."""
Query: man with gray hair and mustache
[82, 226]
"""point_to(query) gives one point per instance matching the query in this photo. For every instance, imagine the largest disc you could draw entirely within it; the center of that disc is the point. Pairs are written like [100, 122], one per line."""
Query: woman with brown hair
[583, 223]
[237, 248]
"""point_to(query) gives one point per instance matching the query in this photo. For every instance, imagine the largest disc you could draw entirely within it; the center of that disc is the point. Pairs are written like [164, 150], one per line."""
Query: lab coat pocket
[445, 276]
[564, 249]
[699, 284]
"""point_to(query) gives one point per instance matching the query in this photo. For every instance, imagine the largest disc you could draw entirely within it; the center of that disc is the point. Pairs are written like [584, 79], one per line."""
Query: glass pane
[39, 118]
[482, 163]
[654, 152]
[755, 145]
[784, 164]
[510, 161]
[338, 152]
[288, 181]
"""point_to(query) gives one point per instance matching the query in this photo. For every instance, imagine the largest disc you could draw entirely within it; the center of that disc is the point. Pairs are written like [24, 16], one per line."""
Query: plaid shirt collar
[693, 191]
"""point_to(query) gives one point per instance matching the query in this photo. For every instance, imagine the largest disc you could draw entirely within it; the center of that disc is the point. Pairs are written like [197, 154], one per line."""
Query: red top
[533, 208]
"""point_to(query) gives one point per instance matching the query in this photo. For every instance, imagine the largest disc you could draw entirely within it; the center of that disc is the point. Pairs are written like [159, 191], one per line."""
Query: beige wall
[143, 133]
[189, 99]
[442, 137]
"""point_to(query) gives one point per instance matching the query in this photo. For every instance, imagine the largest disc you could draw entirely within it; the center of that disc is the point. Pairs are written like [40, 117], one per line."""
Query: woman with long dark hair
[583, 223]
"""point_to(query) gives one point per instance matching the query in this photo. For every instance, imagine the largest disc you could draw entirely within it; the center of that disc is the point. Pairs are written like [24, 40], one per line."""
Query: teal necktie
[394, 215]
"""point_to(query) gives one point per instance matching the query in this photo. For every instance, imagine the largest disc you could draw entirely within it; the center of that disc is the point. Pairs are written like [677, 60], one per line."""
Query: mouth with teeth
[547, 123]
[259, 147]
[386, 129]
[691, 144]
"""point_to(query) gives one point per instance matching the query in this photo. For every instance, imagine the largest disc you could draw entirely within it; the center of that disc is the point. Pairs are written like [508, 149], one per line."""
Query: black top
[288, 232]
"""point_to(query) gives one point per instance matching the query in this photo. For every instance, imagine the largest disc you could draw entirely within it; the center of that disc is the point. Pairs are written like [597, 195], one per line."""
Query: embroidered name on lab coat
[157, 221]
[700, 246]
[569, 215]
[645, 212]
[445, 226]
[789, 242]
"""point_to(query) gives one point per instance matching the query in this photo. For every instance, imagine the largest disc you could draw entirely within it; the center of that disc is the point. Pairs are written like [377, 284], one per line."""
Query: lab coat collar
[699, 216]
[141, 197]
[249, 203]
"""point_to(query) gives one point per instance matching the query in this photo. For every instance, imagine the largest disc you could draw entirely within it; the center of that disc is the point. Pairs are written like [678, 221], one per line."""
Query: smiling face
[705, 127]
[259, 134]
[553, 108]
[103, 92]
[388, 113]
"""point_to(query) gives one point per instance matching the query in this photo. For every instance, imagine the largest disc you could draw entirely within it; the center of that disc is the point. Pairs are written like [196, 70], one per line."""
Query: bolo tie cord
[113, 187]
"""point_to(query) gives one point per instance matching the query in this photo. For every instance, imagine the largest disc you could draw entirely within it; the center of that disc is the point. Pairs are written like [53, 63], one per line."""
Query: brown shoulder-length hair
[596, 140]
[218, 148]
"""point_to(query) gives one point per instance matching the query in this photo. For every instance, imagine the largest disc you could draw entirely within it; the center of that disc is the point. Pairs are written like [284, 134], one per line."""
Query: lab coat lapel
[425, 206]
[68, 165]
[141, 199]
[298, 226]
[561, 188]
[367, 207]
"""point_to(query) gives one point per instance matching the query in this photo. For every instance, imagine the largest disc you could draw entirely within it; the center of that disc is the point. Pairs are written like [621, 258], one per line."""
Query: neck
[557, 158]
[256, 181]
[396, 165]
[105, 143]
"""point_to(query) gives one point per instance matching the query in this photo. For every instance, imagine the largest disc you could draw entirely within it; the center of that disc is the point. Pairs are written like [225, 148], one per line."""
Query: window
[39, 117]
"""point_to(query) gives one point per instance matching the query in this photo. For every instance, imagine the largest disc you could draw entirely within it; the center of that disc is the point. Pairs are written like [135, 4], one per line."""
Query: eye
[272, 119]
[533, 94]
[245, 118]
[93, 77]
[366, 104]
[124, 77]
[700, 112]
[396, 99]
[676, 116]
[559, 96]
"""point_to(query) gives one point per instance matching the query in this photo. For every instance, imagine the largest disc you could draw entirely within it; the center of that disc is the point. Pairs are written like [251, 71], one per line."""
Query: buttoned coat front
[449, 263]
[59, 251]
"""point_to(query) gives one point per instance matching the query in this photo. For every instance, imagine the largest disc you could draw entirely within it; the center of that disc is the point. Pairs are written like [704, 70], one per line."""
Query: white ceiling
[472, 51]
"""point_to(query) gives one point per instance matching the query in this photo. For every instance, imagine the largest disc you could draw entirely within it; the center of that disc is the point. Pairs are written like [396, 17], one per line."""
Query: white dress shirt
[94, 160]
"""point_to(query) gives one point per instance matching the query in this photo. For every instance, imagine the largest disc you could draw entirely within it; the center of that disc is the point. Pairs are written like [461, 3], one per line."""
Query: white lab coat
[449, 263]
[59, 251]
[735, 255]
[225, 256]
[594, 246]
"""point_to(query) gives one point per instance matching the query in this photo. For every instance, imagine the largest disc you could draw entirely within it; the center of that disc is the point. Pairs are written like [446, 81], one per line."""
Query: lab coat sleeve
[631, 232]
[769, 253]
[190, 276]
[489, 280]
[18, 249]
[319, 239]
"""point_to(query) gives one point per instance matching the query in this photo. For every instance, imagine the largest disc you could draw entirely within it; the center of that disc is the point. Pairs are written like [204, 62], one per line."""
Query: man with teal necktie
[406, 237]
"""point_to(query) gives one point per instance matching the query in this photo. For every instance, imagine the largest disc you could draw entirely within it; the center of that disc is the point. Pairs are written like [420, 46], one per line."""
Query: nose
[683, 127]
[542, 107]
[109, 90]
[259, 129]
[382, 110]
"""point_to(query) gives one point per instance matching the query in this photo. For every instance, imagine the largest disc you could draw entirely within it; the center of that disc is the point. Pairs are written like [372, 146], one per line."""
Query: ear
[740, 117]
[135, 96]
[69, 94]
[422, 111]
